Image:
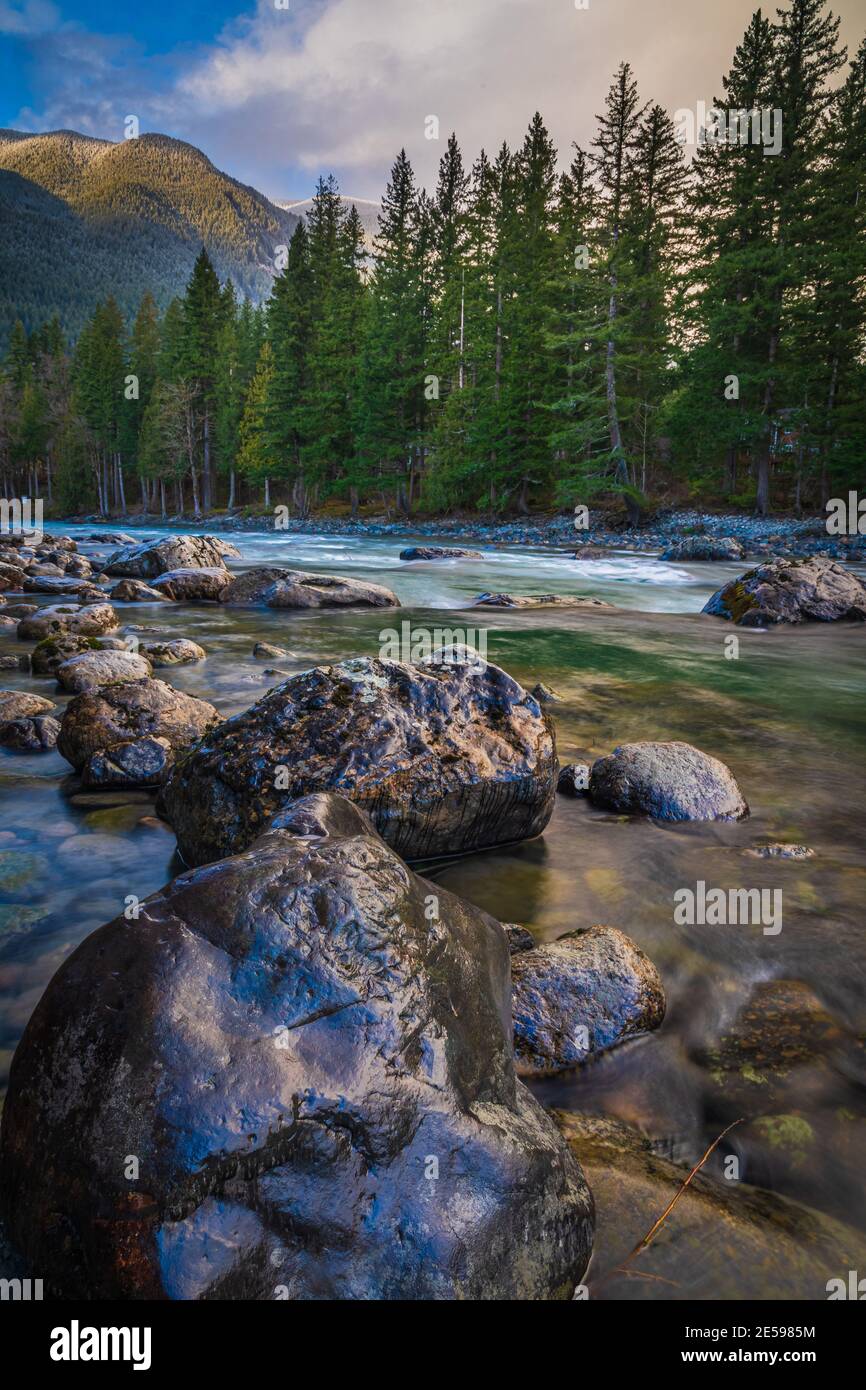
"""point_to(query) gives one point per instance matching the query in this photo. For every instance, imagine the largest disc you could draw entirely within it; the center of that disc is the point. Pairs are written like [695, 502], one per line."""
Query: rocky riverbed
[347, 1027]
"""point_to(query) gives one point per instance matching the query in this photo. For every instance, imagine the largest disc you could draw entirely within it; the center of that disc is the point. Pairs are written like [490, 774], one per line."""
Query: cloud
[28, 20]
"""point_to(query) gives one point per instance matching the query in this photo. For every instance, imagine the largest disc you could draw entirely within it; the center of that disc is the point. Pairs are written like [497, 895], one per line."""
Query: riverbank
[759, 536]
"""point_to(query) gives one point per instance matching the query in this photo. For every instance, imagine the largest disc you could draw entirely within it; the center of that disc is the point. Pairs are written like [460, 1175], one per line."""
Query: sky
[277, 92]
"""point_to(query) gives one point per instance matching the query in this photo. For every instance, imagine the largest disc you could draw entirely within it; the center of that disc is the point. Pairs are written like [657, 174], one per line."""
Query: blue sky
[277, 91]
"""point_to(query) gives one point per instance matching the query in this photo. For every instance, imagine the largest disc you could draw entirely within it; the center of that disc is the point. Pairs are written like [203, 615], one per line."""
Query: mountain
[82, 218]
[368, 212]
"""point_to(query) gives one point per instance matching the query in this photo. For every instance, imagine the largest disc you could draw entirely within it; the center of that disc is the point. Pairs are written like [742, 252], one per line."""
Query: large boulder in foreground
[791, 591]
[670, 781]
[91, 620]
[580, 995]
[152, 558]
[342, 1121]
[448, 755]
[98, 721]
[722, 1240]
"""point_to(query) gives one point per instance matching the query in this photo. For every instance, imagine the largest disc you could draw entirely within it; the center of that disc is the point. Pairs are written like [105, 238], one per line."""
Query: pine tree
[256, 450]
[202, 317]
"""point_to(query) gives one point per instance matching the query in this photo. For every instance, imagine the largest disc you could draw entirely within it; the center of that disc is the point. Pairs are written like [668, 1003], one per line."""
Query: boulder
[50, 654]
[89, 621]
[98, 720]
[89, 670]
[144, 762]
[342, 1121]
[537, 601]
[670, 781]
[35, 734]
[519, 938]
[302, 590]
[135, 591]
[573, 779]
[791, 591]
[19, 610]
[47, 584]
[580, 995]
[722, 1240]
[178, 652]
[109, 538]
[447, 756]
[17, 704]
[704, 548]
[438, 552]
[252, 585]
[151, 558]
[201, 585]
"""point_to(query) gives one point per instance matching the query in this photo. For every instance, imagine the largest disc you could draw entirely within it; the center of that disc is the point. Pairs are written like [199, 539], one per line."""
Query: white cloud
[29, 19]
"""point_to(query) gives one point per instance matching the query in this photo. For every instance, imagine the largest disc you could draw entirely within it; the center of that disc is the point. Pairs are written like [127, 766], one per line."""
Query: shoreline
[761, 537]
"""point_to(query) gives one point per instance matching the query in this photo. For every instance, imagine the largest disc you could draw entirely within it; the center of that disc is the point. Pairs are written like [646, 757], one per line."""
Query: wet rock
[135, 591]
[327, 591]
[178, 652]
[670, 781]
[265, 651]
[30, 735]
[438, 552]
[8, 624]
[18, 704]
[252, 585]
[20, 610]
[704, 548]
[448, 755]
[519, 939]
[544, 695]
[89, 670]
[580, 995]
[11, 662]
[791, 591]
[537, 601]
[50, 654]
[99, 721]
[573, 779]
[110, 538]
[286, 1133]
[782, 1030]
[48, 584]
[153, 558]
[722, 1241]
[202, 585]
[780, 851]
[144, 762]
[90, 621]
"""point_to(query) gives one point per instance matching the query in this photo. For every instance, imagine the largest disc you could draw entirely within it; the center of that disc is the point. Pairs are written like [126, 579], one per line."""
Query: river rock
[252, 585]
[580, 995]
[286, 1133]
[447, 755]
[266, 651]
[153, 558]
[135, 591]
[722, 1240]
[144, 762]
[98, 720]
[20, 610]
[89, 670]
[778, 850]
[519, 938]
[438, 552]
[704, 548]
[573, 779]
[302, 590]
[537, 601]
[50, 654]
[18, 704]
[670, 781]
[90, 621]
[200, 585]
[31, 735]
[47, 584]
[178, 652]
[791, 591]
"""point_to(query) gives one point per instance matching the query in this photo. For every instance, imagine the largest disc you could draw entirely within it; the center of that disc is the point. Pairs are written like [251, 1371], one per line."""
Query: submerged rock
[152, 558]
[89, 670]
[195, 585]
[704, 548]
[780, 851]
[791, 591]
[537, 601]
[438, 552]
[88, 621]
[670, 781]
[343, 1120]
[573, 779]
[722, 1240]
[265, 651]
[448, 755]
[178, 652]
[544, 695]
[579, 995]
[99, 721]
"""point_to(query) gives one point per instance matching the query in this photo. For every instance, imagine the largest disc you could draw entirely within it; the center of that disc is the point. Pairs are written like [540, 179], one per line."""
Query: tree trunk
[353, 502]
[267, 494]
[231, 500]
[162, 497]
[206, 475]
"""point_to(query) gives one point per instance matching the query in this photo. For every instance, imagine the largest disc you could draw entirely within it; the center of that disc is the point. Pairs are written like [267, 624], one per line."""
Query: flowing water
[787, 715]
